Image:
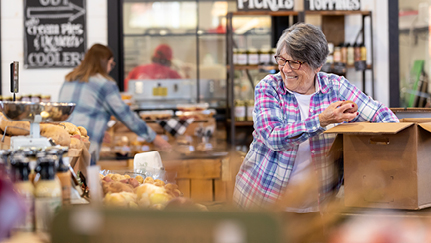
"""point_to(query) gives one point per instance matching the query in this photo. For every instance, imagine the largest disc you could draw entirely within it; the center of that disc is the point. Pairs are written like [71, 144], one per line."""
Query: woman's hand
[161, 144]
[335, 113]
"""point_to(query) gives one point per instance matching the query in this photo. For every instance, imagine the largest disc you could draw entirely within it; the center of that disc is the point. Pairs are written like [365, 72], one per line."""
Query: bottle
[343, 48]
[252, 56]
[240, 110]
[47, 193]
[63, 174]
[30, 153]
[357, 52]
[4, 162]
[350, 55]
[20, 171]
[337, 54]
[363, 52]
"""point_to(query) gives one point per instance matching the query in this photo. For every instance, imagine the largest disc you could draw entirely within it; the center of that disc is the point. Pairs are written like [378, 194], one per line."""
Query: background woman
[97, 98]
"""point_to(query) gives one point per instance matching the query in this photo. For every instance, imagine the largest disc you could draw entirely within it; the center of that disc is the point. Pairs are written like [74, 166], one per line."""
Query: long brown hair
[95, 62]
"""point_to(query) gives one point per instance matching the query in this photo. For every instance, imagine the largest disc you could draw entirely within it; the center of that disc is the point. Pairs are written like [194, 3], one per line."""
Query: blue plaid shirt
[279, 129]
[96, 101]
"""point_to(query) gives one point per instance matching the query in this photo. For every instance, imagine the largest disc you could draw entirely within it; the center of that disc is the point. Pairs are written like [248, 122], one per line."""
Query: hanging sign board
[265, 5]
[328, 5]
[54, 33]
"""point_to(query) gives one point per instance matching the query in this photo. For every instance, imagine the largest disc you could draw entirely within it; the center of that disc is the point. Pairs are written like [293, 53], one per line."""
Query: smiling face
[300, 81]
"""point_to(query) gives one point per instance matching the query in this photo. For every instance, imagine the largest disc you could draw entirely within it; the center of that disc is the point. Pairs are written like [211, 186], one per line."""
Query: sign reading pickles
[55, 33]
[323, 5]
[265, 5]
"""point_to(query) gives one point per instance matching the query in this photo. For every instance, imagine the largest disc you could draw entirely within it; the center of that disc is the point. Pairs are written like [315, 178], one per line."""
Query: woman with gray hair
[292, 110]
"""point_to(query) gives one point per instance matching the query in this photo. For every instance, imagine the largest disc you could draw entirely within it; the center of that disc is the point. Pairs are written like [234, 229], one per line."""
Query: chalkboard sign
[55, 33]
[333, 5]
[265, 5]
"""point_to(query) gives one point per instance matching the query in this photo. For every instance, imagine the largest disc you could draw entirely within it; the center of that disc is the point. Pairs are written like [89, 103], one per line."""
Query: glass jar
[235, 56]
[252, 56]
[240, 110]
[242, 57]
[36, 98]
[46, 98]
[26, 97]
[265, 56]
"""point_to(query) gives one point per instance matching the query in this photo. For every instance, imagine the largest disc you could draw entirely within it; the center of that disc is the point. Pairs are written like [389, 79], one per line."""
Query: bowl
[36, 112]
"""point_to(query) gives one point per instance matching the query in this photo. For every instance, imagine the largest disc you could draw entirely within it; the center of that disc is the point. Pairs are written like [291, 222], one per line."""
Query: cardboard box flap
[426, 126]
[369, 128]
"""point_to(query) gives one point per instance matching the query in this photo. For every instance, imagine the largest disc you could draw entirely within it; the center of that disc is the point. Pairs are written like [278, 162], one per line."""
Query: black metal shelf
[174, 34]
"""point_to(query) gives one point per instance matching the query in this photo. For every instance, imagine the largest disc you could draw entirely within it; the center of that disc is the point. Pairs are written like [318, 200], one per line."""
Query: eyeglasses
[295, 65]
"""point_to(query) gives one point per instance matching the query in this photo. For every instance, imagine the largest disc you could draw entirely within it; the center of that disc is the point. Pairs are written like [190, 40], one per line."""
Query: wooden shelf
[251, 67]
[241, 123]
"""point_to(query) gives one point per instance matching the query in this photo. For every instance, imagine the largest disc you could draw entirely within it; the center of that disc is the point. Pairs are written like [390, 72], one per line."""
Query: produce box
[386, 165]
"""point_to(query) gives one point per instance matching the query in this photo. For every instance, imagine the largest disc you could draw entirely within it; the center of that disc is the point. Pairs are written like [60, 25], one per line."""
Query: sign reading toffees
[265, 5]
[55, 33]
[323, 5]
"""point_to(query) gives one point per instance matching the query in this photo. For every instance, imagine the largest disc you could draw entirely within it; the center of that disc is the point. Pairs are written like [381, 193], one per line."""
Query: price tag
[160, 91]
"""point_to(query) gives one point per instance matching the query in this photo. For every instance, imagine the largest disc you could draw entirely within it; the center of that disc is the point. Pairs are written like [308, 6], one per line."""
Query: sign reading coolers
[322, 5]
[265, 5]
[55, 33]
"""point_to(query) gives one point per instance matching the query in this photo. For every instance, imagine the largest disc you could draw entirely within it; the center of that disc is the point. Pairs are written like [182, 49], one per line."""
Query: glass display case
[194, 31]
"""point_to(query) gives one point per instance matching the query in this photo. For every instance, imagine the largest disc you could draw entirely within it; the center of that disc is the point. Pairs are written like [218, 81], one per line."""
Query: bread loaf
[71, 128]
[14, 128]
[58, 134]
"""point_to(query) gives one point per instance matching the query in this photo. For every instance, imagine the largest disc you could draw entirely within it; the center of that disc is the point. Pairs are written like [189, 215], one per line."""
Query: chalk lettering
[40, 59]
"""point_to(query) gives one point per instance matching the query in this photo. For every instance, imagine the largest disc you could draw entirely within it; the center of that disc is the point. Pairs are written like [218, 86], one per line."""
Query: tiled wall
[41, 81]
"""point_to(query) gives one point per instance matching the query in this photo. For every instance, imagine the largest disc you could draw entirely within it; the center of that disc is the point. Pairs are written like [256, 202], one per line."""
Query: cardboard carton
[386, 165]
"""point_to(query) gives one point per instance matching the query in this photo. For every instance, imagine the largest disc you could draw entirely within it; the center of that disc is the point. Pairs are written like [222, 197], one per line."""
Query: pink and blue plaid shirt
[279, 129]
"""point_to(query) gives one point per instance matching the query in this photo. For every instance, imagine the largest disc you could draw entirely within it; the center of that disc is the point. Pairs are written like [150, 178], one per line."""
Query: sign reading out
[324, 5]
[55, 33]
[265, 5]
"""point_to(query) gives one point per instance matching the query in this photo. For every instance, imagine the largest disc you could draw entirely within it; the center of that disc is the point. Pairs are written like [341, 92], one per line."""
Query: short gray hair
[304, 42]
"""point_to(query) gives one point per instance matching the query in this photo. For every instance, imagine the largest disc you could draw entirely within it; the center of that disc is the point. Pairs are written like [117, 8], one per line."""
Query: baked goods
[57, 133]
[147, 193]
[14, 128]
[70, 128]
[83, 131]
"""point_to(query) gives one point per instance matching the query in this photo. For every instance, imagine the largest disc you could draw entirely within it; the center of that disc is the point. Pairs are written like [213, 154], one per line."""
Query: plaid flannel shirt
[279, 129]
[96, 101]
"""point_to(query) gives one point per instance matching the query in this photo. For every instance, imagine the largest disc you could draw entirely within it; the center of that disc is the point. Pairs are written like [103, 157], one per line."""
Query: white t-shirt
[303, 172]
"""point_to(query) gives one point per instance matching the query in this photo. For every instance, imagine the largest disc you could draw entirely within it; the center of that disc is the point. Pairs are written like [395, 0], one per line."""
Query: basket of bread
[132, 189]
